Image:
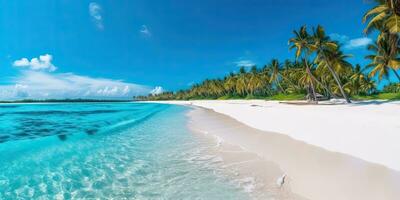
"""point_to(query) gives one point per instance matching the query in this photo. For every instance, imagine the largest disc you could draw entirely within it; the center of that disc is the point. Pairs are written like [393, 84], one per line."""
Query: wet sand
[312, 172]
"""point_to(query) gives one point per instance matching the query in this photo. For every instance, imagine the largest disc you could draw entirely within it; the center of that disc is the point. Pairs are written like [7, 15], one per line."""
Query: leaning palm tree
[383, 60]
[325, 49]
[301, 42]
[306, 81]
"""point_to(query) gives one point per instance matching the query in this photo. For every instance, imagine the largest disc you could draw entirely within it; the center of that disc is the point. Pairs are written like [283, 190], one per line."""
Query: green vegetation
[380, 96]
[319, 68]
[286, 97]
[392, 88]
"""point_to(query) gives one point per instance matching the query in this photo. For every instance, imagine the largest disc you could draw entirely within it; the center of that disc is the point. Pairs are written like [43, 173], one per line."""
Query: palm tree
[301, 42]
[357, 79]
[383, 60]
[230, 83]
[275, 75]
[255, 81]
[241, 82]
[368, 86]
[385, 18]
[386, 14]
[306, 81]
[326, 49]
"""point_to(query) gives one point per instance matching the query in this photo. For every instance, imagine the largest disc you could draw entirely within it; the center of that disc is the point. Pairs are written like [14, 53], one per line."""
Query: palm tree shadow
[374, 102]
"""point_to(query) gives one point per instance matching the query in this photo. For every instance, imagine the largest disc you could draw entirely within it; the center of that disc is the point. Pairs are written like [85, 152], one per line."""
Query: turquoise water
[103, 151]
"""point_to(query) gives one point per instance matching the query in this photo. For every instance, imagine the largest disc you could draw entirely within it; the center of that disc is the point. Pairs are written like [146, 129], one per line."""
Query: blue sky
[121, 48]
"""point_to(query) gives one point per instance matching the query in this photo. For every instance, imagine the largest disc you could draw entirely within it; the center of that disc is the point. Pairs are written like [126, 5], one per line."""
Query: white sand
[368, 130]
[312, 172]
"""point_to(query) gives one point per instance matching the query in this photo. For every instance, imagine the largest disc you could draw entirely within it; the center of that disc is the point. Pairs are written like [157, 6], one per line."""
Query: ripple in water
[134, 152]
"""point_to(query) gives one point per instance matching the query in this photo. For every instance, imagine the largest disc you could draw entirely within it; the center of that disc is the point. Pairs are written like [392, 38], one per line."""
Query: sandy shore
[367, 130]
[312, 173]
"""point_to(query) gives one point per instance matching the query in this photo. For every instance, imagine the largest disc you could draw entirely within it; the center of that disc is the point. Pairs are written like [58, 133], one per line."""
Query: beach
[326, 151]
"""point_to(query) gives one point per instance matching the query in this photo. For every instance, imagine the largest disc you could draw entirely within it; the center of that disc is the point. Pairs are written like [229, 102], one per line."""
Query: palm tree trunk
[335, 76]
[324, 86]
[313, 91]
[312, 84]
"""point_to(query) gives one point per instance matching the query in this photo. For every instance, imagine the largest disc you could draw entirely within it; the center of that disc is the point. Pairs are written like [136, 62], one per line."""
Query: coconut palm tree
[326, 50]
[383, 60]
[230, 83]
[255, 81]
[241, 82]
[275, 76]
[306, 81]
[301, 42]
[386, 14]
[368, 86]
[385, 19]
[357, 79]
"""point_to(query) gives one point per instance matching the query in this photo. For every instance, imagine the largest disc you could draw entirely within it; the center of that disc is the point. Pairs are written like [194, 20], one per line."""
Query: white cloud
[41, 63]
[145, 31]
[42, 85]
[245, 63]
[356, 43]
[36, 82]
[95, 11]
[157, 90]
[23, 62]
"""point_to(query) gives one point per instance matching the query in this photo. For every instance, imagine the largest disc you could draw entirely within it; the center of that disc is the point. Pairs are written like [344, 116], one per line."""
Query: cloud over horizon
[44, 85]
[37, 80]
[95, 11]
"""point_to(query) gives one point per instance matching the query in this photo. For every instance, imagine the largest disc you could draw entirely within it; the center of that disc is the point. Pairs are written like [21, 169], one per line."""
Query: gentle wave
[139, 152]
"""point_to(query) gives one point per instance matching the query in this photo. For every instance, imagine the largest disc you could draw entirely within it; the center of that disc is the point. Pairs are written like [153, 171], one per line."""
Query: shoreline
[368, 130]
[248, 170]
[312, 172]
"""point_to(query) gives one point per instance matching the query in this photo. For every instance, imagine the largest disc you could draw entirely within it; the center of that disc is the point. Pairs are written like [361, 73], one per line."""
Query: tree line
[319, 67]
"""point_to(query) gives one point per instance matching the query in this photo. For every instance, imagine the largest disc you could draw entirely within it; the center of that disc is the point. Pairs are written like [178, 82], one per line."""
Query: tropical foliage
[392, 88]
[384, 18]
[318, 69]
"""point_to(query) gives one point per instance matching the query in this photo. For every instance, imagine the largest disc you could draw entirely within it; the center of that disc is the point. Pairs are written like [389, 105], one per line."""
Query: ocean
[106, 151]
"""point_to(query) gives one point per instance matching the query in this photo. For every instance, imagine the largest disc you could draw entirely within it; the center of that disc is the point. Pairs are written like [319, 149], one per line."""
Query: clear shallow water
[120, 150]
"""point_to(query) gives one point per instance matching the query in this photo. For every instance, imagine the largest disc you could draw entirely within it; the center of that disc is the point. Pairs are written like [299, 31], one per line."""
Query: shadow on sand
[372, 102]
